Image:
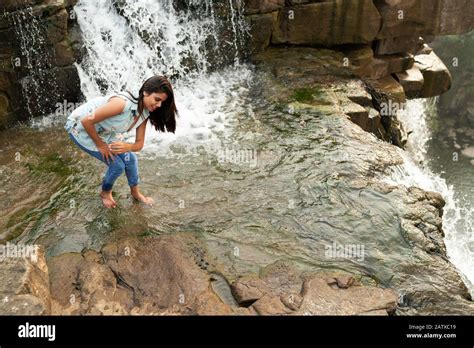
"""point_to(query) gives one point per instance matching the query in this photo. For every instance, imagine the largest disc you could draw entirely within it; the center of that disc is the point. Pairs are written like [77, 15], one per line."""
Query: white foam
[458, 217]
[119, 56]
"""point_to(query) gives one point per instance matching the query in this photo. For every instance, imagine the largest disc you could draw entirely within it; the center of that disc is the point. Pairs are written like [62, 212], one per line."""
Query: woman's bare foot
[138, 196]
[107, 200]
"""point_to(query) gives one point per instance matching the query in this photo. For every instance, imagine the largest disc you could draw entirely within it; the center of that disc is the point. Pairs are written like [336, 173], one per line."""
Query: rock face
[392, 31]
[36, 58]
[332, 23]
[24, 289]
[394, 26]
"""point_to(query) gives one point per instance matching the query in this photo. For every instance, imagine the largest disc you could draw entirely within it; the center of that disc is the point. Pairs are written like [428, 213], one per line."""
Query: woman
[97, 127]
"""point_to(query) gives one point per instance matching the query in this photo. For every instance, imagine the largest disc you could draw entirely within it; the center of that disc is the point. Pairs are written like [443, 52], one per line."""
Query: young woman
[97, 127]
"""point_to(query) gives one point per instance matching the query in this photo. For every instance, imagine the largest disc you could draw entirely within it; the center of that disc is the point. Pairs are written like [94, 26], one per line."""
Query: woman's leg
[131, 167]
[131, 170]
[115, 169]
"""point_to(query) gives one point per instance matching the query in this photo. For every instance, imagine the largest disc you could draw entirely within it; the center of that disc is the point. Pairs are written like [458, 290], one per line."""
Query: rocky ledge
[383, 40]
[169, 276]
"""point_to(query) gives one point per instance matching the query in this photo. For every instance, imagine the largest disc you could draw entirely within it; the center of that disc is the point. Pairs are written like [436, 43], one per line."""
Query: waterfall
[128, 41]
[35, 63]
[458, 217]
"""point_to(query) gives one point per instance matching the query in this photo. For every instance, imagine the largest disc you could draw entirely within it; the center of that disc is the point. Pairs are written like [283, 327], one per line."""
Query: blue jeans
[123, 162]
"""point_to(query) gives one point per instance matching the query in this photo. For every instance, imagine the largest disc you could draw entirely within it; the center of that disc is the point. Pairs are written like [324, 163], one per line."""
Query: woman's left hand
[119, 147]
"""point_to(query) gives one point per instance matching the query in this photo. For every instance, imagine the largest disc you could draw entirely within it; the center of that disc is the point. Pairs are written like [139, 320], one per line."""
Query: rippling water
[256, 179]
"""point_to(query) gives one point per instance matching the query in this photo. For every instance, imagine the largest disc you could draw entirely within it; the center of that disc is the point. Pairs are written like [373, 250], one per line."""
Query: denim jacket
[109, 130]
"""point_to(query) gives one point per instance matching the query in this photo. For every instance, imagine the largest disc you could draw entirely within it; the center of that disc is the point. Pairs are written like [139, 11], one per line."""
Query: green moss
[52, 163]
[304, 94]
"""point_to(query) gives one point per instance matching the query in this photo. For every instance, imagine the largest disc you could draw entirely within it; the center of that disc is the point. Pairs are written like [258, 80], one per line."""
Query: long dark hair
[164, 117]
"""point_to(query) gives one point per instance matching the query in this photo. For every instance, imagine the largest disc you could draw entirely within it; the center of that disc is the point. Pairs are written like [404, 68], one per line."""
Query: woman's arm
[114, 107]
[139, 138]
[121, 147]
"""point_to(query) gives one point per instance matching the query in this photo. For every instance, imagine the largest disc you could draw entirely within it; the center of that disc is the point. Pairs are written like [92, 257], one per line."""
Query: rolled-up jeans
[122, 162]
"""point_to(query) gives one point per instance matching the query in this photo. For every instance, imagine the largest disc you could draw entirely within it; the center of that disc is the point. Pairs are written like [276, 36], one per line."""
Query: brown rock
[261, 26]
[388, 87]
[425, 17]
[398, 44]
[271, 305]
[281, 290]
[437, 78]
[262, 6]
[153, 276]
[4, 105]
[57, 26]
[319, 298]
[366, 65]
[24, 289]
[64, 54]
[327, 23]
[249, 290]
[412, 81]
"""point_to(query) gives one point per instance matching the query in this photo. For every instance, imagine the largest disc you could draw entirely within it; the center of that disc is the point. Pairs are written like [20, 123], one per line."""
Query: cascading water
[36, 61]
[458, 214]
[129, 41]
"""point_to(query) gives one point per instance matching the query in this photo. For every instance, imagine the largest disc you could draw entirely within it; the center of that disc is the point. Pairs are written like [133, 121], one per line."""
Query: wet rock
[283, 290]
[321, 299]
[13, 5]
[437, 78]
[24, 289]
[412, 81]
[47, 22]
[154, 276]
[261, 26]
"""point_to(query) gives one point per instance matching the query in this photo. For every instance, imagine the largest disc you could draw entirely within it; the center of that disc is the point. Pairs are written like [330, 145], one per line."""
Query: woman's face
[154, 100]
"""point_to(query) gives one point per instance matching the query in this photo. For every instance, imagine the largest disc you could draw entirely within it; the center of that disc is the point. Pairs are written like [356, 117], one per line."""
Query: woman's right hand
[106, 152]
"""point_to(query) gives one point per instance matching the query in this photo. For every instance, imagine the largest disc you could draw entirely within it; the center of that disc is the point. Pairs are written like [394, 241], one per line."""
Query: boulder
[281, 289]
[398, 44]
[320, 298]
[151, 276]
[366, 65]
[436, 76]
[412, 81]
[24, 289]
